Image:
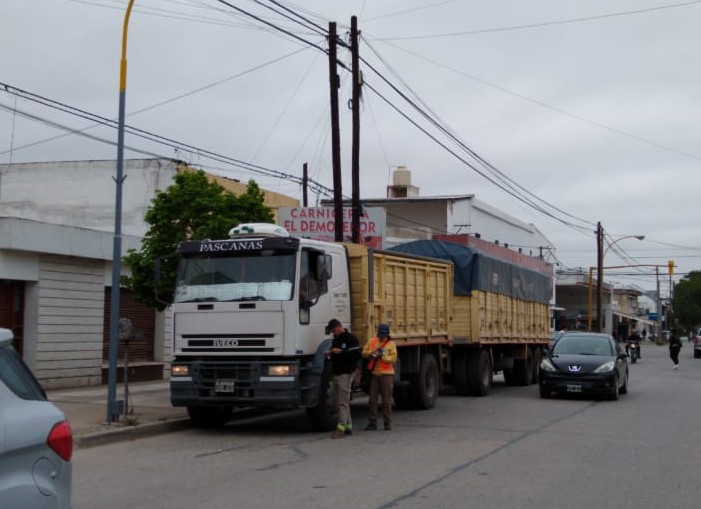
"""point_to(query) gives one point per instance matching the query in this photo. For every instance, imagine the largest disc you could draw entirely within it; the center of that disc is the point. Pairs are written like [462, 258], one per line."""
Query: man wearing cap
[381, 352]
[344, 355]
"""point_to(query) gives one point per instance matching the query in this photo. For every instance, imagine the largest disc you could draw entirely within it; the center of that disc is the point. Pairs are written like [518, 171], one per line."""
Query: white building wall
[82, 193]
[494, 225]
[69, 322]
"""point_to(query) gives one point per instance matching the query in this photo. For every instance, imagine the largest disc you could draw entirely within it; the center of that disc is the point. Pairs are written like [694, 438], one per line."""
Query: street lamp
[113, 410]
[600, 267]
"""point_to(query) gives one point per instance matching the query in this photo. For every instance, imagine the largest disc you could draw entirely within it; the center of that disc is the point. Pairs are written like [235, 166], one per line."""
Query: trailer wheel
[479, 373]
[323, 416]
[426, 385]
[460, 378]
[209, 416]
[523, 369]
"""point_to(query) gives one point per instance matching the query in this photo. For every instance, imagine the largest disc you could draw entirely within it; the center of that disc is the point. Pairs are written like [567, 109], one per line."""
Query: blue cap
[383, 330]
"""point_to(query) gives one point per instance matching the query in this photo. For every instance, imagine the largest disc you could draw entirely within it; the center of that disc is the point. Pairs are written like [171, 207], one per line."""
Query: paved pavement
[150, 412]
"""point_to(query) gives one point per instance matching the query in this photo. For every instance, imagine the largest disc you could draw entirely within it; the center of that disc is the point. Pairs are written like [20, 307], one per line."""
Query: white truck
[249, 314]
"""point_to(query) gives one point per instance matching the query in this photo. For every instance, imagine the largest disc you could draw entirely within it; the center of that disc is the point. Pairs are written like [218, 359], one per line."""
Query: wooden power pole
[335, 136]
[355, 170]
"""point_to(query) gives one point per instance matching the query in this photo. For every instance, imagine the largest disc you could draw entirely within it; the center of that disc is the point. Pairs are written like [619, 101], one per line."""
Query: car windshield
[582, 345]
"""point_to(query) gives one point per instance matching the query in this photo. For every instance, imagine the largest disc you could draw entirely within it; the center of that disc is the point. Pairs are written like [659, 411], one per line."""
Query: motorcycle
[633, 351]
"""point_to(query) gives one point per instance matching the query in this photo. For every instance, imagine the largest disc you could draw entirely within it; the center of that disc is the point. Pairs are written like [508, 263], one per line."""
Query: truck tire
[209, 416]
[460, 380]
[523, 369]
[426, 385]
[323, 416]
[479, 373]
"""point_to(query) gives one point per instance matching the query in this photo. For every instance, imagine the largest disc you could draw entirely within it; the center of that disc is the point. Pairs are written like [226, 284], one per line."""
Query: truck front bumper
[237, 383]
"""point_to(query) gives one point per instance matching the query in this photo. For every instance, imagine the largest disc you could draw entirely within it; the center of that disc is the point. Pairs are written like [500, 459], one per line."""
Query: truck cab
[248, 322]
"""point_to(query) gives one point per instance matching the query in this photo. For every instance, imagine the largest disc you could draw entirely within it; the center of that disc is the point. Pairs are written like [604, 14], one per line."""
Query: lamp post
[113, 410]
[600, 267]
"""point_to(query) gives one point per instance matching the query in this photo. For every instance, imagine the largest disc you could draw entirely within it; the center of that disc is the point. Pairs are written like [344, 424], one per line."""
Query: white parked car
[36, 441]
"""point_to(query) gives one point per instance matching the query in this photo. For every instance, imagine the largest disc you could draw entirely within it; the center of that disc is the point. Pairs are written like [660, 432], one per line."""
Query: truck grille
[255, 343]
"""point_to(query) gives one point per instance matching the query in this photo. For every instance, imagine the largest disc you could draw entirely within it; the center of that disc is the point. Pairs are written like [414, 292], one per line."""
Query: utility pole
[355, 103]
[658, 328]
[305, 183]
[335, 135]
[599, 273]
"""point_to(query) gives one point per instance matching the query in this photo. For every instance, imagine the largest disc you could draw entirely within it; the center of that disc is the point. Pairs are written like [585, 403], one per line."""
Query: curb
[121, 433]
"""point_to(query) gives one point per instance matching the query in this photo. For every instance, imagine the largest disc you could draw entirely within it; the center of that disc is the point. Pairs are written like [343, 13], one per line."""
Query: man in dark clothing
[344, 355]
[675, 345]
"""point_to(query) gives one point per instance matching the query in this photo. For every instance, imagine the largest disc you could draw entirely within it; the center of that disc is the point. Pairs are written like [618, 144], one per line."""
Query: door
[12, 310]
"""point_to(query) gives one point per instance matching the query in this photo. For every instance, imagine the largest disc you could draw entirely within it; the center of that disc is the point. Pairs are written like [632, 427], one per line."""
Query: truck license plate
[224, 385]
[574, 388]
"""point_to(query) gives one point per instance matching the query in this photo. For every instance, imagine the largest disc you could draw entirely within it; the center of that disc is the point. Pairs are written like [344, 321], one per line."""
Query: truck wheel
[479, 373]
[209, 416]
[426, 385]
[460, 380]
[323, 416]
[523, 369]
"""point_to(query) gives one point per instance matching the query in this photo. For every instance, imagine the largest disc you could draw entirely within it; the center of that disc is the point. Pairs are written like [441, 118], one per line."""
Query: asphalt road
[508, 450]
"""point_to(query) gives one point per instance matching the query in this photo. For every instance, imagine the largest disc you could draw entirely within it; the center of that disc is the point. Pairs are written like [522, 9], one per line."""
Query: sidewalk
[86, 409]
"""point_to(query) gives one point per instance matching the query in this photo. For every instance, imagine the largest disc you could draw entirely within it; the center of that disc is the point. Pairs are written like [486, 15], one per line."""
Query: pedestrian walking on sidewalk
[381, 353]
[675, 345]
[344, 355]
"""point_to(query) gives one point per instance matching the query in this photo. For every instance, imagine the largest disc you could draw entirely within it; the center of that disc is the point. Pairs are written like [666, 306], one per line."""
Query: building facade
[56, 244]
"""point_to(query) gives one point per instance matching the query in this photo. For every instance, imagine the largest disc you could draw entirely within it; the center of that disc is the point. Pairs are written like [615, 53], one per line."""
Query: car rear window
[15, 374]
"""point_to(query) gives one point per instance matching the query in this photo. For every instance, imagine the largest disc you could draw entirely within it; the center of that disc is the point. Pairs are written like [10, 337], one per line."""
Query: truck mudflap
[261, 383]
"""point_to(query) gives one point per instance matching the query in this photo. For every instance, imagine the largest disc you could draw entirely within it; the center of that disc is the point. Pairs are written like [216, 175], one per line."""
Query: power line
[543, 24]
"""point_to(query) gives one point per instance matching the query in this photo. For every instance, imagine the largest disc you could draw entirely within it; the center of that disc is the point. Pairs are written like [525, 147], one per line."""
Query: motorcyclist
[634, 338]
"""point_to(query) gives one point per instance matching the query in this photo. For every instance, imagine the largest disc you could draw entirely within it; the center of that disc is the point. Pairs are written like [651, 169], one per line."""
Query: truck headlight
[282, 370]
[180, 370]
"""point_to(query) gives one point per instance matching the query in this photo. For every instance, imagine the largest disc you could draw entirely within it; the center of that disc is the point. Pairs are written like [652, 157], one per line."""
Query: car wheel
[545, 393]
[614, 393]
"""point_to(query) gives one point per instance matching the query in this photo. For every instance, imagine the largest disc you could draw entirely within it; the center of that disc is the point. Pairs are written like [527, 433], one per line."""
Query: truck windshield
[204, 278]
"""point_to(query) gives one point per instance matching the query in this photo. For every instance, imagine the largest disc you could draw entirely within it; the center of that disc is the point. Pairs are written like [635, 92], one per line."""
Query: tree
[192, 208]
[686, 301]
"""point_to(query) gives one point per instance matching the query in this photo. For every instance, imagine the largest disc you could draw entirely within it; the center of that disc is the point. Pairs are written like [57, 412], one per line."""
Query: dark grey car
[584, 363]
[36, 441]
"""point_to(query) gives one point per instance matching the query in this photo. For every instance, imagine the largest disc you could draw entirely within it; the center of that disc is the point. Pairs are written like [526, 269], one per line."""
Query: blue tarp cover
[475, 270]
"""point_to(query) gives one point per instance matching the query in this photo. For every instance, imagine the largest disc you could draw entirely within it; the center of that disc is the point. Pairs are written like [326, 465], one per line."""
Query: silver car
[36, 441]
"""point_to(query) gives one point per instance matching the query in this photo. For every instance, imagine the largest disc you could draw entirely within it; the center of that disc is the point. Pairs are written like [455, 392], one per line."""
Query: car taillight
[60, 440]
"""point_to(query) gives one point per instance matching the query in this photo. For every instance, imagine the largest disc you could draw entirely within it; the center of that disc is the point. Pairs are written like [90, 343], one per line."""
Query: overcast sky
[589, 109]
